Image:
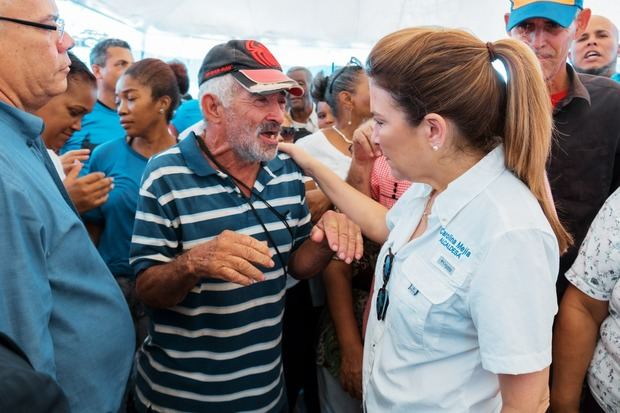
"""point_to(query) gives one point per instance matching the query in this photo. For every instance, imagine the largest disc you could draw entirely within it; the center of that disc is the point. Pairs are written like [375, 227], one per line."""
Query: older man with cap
[58, 300]
[221, 220]
[584, 168]
[595, 52]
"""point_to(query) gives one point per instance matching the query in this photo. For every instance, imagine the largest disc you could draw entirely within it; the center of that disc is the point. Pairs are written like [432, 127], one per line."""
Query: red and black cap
[251, 64]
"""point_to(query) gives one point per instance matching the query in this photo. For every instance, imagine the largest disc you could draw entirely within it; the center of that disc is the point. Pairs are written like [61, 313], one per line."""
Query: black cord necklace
[237, 182]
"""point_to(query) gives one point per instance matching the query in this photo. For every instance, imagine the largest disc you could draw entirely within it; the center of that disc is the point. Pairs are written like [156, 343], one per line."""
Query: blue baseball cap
[563, 12]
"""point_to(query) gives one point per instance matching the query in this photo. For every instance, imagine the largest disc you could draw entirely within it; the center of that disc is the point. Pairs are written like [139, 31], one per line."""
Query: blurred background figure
[188, 113]
[300, 108]
[63, 116]
[146, 97]
[595, 52]
[324, 114]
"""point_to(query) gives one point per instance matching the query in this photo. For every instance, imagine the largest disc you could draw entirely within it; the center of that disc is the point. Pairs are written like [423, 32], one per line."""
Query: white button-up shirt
[472, 297]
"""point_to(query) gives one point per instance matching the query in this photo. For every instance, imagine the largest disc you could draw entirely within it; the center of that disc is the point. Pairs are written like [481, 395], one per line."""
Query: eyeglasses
[382, 296]
[287, 132]
[354, 61]
[59, 27]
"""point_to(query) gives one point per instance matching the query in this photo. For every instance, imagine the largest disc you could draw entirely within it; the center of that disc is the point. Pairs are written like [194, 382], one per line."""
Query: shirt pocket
[419, 291]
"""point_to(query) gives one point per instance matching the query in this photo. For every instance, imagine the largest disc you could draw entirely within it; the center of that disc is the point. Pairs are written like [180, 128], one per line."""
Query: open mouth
[269, 136]
[592, 54]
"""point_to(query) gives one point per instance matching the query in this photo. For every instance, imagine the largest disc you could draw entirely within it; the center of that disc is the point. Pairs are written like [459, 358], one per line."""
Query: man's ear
[581, 22]
[212, 109]
[97, 71]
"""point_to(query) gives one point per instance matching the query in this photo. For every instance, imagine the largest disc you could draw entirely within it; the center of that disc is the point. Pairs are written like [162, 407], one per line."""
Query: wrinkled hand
[69, 159]
[364, 150]
[339, 234]
[89, 191]
[351, 371]
[230, 257]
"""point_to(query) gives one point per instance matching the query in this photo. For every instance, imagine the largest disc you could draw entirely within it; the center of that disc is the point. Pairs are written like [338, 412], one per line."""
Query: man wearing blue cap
[584, 168]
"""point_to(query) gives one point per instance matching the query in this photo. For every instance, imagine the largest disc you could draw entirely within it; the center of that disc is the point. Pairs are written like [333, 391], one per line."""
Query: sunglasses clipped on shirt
[287, 132]
[382, 296]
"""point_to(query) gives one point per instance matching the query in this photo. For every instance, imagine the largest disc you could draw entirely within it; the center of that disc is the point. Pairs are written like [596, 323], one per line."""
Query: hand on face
[363, 148]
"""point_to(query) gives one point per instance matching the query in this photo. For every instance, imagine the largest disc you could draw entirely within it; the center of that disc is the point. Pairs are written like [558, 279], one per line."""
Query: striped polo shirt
[219, 349]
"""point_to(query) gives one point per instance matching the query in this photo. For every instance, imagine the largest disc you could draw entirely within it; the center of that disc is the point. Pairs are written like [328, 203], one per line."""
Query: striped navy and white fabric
[220, 348]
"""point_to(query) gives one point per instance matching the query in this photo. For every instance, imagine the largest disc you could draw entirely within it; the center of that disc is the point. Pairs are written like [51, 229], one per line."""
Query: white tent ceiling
[339, 23]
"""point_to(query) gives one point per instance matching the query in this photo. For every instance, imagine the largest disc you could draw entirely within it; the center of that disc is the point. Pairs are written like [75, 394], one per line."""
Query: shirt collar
[198, 163]
[468, 186]
[576, 89]
[26, 124]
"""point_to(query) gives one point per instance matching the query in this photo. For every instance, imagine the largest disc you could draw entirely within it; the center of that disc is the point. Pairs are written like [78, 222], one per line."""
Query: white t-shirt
[596, 273]
[472, 297]
[57, 164]
[322, 149]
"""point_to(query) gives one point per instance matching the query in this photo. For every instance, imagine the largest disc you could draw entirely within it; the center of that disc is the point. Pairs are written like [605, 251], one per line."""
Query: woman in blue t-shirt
[146, 96]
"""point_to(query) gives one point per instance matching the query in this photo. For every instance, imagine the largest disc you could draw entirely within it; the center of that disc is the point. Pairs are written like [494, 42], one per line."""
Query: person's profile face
[35, 61]
[64, 113]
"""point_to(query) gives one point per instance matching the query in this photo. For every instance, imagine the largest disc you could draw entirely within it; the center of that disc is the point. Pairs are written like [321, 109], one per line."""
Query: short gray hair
[99, 53]
[224, 87]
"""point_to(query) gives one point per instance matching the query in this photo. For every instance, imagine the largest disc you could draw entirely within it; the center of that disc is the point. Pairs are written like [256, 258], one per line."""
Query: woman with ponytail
[464, 294]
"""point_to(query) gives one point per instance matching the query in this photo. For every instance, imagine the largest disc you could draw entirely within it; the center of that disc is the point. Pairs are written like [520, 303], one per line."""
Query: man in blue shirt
[58, 301]
[109, 60]
[221, 220]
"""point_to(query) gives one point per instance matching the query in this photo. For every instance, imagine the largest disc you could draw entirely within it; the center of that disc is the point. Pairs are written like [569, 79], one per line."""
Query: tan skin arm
[365, 212]
[525, 393]
[337, 277]
[574, 339]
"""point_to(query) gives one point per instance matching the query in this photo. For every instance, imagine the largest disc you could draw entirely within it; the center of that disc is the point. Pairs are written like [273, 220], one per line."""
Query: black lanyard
[237, 182]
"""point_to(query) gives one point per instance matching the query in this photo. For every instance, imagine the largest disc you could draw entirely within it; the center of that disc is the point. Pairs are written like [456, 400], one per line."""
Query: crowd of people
[412, 233]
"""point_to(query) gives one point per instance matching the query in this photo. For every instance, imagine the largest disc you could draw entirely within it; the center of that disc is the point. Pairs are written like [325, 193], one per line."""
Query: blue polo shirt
[99, 126]
[218, 350]
[58, 300]
[118, 160]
